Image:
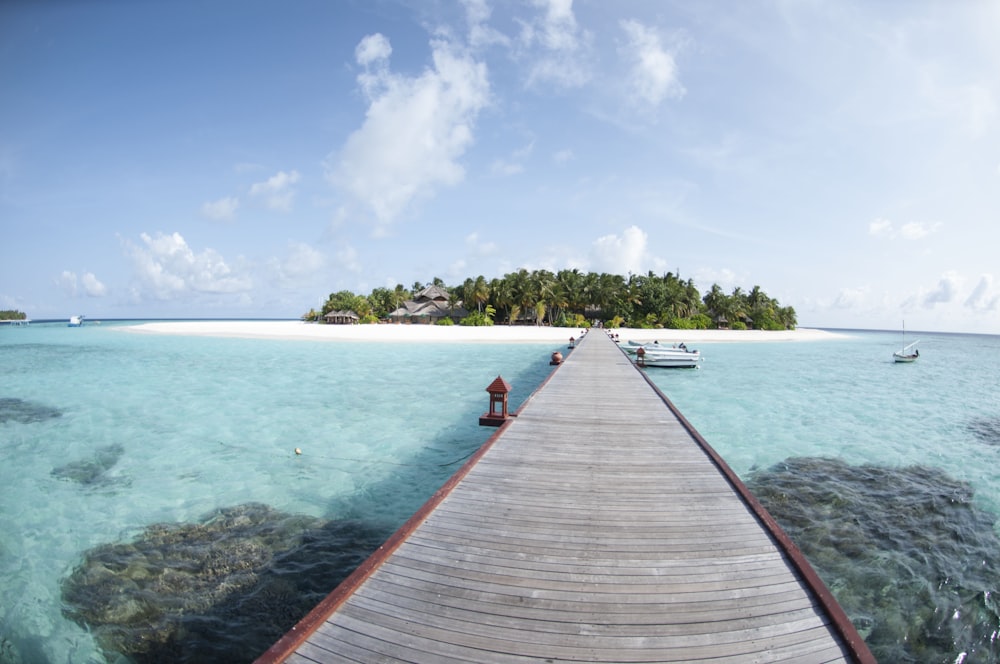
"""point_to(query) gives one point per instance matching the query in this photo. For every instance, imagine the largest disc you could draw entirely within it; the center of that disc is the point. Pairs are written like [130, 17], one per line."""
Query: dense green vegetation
[571, 298]
[12, 314]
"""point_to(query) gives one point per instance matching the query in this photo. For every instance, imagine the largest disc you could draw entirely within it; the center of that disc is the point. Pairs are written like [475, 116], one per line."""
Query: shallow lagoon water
[111, 432]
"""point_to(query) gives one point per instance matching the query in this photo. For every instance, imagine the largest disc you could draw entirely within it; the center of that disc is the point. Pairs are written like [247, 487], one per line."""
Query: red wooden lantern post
[497, 415]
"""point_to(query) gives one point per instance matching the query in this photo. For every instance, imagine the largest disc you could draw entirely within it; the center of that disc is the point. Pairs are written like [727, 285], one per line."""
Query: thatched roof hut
[429, 306]
[341, 318]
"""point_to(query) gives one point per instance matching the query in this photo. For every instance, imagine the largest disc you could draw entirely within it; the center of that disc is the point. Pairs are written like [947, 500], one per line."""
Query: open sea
[153, 507]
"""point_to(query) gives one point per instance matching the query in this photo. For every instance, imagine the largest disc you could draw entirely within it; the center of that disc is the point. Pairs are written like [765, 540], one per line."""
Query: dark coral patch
[224, 589]
[986, 429]
[25, 412]
[906, 553]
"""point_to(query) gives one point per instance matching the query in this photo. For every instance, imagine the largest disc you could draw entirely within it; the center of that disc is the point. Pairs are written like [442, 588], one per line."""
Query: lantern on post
[497, 415]
[572, 342]
[640, 356]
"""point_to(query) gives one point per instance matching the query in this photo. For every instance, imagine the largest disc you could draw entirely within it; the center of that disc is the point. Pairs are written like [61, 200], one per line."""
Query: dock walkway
[596, 526]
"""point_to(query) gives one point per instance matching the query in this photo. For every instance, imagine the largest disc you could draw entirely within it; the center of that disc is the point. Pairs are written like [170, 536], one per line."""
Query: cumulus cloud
[299, 262]
[415, 130]
[620, 255]
[372, 49]
[946, 290]
[87, 283]
[165, 267]
[475, 245]
[653, 75]
[983, 297]
[478, 14]
[880, 227]
[277, 191]
[851, 298]
[913, 230]
[223, 209]
[556, 46]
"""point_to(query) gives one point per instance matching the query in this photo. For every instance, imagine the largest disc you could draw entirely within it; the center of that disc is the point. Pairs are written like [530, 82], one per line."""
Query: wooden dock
[595, 526]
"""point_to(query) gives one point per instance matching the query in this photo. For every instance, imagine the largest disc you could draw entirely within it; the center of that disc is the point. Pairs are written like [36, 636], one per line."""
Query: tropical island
[12, 314]
[568, 298]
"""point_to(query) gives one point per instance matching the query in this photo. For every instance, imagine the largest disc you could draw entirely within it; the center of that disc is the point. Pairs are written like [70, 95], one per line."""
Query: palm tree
[501, 295]
[480, 292]
[571, 283]
[717, 302]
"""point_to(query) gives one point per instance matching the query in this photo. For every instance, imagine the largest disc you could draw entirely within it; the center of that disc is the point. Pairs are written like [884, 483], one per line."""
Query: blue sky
[246, 158]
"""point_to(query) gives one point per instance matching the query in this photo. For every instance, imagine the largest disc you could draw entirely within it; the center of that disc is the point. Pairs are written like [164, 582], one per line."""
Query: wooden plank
[593, 527]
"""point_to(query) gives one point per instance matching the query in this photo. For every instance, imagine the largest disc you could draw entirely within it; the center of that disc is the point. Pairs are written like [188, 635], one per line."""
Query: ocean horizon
[120, 449]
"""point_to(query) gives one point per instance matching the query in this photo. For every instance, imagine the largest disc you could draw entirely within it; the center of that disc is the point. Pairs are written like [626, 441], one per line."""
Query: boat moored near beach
[652, 355]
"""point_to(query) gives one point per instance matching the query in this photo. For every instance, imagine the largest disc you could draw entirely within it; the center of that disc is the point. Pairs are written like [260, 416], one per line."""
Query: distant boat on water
[904, 354]
[76, 321]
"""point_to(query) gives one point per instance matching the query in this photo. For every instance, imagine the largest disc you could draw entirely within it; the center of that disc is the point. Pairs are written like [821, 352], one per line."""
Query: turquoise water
[104, 433]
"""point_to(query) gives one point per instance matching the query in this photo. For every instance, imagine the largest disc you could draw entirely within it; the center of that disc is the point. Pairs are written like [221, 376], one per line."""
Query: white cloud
[88, 282]
[223, 209]
[725, 277]
[562, 156]
[277, 191]
[851, 298]
[913, 230]
[880, 227]
[299, 263]
[165, 267]
[479, 247]
[515, 163]
[92, 286]
[620, 255]
[946, 290]
[477, 14]
[414, 132]
[67, 281]
[556, 46]
[372, 49]
[983, 296]
[653, 77]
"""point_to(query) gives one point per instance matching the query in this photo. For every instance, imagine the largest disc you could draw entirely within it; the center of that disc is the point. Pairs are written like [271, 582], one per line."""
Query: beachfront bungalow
[341, 318]
[428, 307]
[721, 322]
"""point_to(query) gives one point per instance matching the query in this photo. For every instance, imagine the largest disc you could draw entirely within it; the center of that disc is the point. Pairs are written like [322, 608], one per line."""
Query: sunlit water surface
[105, 432]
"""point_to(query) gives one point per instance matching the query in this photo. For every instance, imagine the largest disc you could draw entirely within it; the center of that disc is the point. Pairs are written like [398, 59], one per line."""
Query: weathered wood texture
[593, 529]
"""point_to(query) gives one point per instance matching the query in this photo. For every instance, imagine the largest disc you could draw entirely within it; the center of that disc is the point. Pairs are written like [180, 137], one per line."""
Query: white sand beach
[458, 333]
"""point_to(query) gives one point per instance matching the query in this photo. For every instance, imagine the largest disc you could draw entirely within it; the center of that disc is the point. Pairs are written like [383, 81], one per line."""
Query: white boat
[76, 321]
[904, 354]
[632, 347]
[667, 357]
[669, 360]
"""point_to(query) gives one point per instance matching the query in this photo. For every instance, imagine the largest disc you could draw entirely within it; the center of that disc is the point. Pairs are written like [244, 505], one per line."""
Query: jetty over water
[595, 526]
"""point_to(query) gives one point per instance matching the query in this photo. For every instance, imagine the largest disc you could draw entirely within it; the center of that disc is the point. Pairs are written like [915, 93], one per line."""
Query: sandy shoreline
[456, 333]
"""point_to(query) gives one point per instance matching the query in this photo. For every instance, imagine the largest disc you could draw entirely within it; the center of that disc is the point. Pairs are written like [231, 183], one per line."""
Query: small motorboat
[655, 355]
[632, 347]
[75, 321]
